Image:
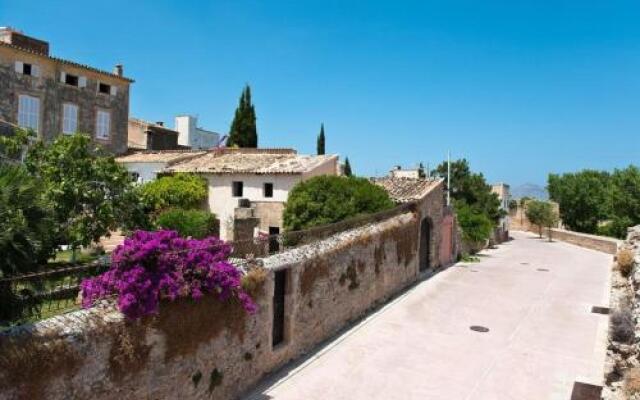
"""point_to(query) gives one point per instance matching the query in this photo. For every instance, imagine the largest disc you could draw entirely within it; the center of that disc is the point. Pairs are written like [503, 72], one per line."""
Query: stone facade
[213, 350]
[44, 83]
[623, 357]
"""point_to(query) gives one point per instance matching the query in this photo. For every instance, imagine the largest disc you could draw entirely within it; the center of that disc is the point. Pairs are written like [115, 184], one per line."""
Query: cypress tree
[243, 131]
[320, 144]
[347, 167]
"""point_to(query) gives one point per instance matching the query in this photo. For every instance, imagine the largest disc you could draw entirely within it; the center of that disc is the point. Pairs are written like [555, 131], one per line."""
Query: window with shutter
[103, 124]
[69, 118]
[29, 112]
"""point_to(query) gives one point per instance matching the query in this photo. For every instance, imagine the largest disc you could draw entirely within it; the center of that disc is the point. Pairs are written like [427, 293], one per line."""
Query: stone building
[249, 187]
[438, 228]
[143, 135]
[53, 96]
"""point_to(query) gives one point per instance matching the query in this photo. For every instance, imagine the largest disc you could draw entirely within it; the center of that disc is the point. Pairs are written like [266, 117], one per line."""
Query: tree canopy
[243, 131]
[598, 201]
[328, 198]
[184, 191]
[347, 167]
[89, 193]
[542, 214]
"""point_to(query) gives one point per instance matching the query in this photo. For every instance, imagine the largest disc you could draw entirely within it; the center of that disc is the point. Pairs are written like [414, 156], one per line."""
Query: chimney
[118, 70]
[159, 123]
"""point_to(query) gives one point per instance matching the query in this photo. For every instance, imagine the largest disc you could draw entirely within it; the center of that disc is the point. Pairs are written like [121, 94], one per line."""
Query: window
[103, 124]
[69, 118]
[104, 88]
[268, 190]
[237, 189]
[27, 69]
[71, 79]
[28, 112]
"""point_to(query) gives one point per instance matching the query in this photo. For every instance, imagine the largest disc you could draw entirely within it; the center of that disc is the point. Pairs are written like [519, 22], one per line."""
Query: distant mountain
[529, 190]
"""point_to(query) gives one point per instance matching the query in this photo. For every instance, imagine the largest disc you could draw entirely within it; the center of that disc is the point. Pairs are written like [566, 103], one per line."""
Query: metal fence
[48, 292]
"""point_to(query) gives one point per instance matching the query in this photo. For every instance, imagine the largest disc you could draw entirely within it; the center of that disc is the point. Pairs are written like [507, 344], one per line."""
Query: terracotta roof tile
[403, 190]
[160, 156]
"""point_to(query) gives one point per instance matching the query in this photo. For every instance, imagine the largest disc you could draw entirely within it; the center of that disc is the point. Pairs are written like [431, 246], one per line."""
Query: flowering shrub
[152, 266]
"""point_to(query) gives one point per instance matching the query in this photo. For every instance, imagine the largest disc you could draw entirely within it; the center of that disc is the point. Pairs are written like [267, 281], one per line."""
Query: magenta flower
[153, 266]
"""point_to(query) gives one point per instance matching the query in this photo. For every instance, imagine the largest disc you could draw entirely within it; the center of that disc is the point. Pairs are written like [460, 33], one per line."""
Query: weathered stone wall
[593, 242]
[213, 350]
[623, 353]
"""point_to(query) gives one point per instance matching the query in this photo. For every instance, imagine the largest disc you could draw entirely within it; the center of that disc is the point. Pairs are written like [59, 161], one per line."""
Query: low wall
[594, 242]
[210, 349]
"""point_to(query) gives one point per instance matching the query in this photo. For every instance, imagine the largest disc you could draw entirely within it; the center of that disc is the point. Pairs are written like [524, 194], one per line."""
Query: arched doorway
[425, 244]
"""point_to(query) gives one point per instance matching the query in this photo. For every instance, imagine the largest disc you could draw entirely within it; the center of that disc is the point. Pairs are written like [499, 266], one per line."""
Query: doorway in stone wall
[425, 244]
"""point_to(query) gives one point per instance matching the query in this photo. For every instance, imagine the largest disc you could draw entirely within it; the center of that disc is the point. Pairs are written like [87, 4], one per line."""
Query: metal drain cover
[542, 270]
[600, 310]
[478, 328]
[586, 391]
[524, 263]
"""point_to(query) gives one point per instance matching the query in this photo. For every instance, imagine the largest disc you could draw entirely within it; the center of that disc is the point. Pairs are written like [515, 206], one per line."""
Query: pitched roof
[256, 161]
[160, 156]
[403, 190]
[67, 62]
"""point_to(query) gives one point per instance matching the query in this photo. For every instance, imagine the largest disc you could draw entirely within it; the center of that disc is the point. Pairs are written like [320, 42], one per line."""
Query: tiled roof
[230, 161]
[160, 156]
[402, 190]
[67, 62]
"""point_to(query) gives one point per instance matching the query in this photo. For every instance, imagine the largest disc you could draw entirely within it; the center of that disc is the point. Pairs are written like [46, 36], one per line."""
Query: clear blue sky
[520, 88]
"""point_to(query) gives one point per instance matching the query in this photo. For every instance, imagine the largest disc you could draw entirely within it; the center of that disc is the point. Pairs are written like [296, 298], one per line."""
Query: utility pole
[448, 178]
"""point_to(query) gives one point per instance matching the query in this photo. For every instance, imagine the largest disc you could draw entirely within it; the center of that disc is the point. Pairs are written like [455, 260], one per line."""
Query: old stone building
[145, 135]
[53, 96]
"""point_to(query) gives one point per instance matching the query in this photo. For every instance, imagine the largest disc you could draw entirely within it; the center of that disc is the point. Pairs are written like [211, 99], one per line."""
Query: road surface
[534, 297]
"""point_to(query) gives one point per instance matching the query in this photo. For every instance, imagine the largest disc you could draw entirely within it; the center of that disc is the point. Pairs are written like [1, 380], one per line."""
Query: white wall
[146, 171]
[190, 135]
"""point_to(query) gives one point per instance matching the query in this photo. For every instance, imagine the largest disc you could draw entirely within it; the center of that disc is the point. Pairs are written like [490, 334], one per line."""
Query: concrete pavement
[534, 297]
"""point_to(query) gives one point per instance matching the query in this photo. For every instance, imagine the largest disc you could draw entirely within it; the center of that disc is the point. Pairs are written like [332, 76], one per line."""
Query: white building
[146, 165]
[504, 195]
[189, 134]
[399, 172]
[253, 184]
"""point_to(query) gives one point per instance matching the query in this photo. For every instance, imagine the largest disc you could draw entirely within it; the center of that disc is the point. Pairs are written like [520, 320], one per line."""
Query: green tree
[320, 142]
[542, 214]
[347, 167]
[90, 193]
[624, 200]
[583, 197]
[328, 198]
[471, 188]
[243, 132]
[195, 223]
[476, 226]
[184, 191]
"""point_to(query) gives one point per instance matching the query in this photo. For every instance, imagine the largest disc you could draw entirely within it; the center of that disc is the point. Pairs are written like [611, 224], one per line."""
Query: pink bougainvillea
[154, 266]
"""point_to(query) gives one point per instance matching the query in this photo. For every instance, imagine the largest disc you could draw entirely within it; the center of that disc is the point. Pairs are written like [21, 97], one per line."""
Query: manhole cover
[586, 391]
[542, 270]
[478, 328]
[524, 263]
[600, 310]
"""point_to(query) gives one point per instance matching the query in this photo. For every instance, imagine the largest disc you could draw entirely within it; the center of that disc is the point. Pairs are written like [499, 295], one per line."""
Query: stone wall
[622, 367]
[213, 350]
[594, 242]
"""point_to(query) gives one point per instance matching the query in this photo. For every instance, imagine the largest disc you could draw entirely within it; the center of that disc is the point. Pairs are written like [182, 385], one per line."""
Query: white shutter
[82, 81]
[35, 70]
[114, 90]
[63, 77]
[19, 68]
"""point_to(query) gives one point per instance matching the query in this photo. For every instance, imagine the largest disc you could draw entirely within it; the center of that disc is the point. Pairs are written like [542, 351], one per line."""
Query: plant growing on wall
[154, 266]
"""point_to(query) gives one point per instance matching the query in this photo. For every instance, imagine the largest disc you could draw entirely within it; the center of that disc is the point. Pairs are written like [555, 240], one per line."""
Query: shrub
[194, 223]
[622, 326]
[476, 225]
[179, 191]
[632, 381]
[253, 281]
[327, 199]
[154, 266]
[625, 260]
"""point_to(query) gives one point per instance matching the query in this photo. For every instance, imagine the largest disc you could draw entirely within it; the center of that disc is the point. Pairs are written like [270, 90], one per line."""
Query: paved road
[542, 335]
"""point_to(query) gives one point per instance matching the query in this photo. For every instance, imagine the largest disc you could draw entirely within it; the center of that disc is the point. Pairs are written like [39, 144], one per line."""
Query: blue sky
[520, 88]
